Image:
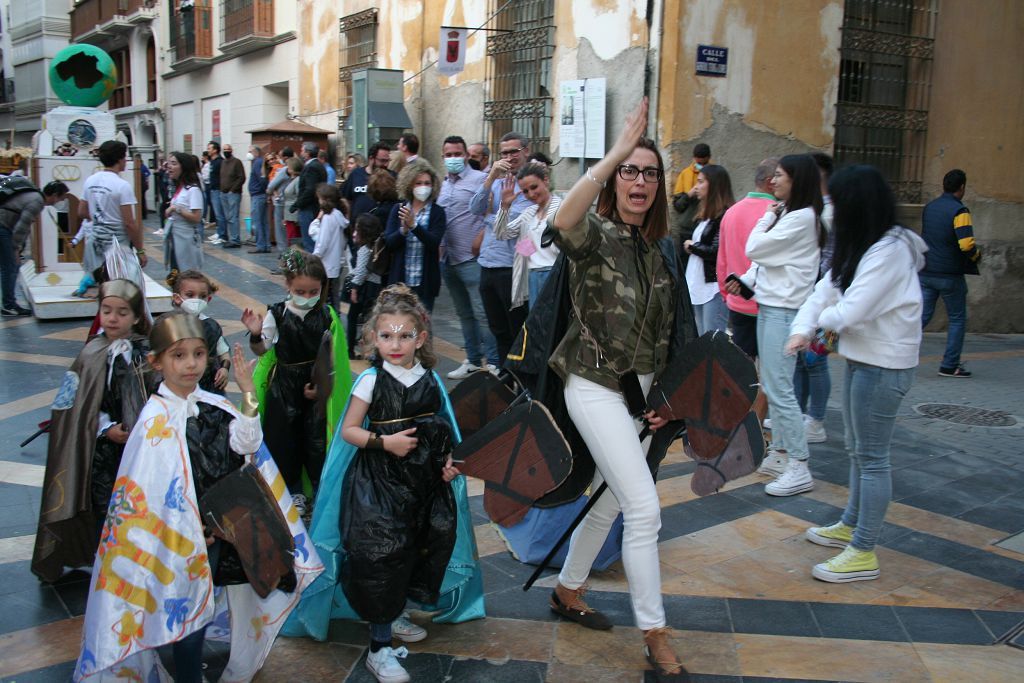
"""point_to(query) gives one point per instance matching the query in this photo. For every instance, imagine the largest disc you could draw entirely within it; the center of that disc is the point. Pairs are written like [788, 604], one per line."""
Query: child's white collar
[398, 372]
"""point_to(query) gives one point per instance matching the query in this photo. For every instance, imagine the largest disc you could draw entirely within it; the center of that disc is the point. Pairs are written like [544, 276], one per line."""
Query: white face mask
[194, 306]
[304, 304]
[422, 192]
[249, 156]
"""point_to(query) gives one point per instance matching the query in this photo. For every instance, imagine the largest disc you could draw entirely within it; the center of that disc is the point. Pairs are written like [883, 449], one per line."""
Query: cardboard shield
[711, 386]
[478, 400]
[242, 510]
[521, 455]
[742, 456]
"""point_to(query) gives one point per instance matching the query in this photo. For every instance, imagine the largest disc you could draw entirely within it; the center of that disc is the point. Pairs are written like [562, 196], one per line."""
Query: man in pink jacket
[737, 223]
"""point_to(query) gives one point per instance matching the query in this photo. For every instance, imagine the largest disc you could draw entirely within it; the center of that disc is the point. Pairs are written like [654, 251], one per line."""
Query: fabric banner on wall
[451, 51]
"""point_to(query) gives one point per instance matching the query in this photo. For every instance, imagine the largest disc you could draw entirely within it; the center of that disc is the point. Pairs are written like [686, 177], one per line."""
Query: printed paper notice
[582, 116]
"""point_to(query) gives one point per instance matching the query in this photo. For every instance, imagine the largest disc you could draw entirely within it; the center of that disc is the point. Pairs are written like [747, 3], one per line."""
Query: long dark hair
[865, 209]
[189, 171]
[720, 195]
[656, 221]
[805, 189]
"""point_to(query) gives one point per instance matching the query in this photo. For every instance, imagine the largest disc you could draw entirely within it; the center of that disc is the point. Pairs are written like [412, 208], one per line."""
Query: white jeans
[610, 433]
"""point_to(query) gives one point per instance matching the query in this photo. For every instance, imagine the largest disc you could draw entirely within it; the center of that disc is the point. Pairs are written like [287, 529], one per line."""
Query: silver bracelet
[590, 177]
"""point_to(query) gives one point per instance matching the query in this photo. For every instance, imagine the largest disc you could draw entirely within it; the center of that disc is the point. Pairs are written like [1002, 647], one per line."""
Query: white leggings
[610, 433]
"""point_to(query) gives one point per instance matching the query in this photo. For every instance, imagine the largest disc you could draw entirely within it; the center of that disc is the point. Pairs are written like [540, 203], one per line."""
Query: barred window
[122, 96]
[518, 80]
[358, 46]
[884, 87]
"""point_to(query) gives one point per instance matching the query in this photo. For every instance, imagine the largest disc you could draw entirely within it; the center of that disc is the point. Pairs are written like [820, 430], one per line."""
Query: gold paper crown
[122, 289]
[171, 328]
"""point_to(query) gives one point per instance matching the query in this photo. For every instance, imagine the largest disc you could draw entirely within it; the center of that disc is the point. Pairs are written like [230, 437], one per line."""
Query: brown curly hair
[408, 176]
[176, 278]
[399, 300]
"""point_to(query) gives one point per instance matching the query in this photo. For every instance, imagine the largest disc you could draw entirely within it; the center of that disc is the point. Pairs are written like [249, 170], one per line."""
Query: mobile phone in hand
[745, 292]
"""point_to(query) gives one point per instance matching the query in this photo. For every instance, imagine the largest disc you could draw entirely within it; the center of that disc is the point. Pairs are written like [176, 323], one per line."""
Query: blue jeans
[711, 316]
[538, 276]
[812, 384]
[258, 212]
[953, 289]
[279, 229]
[306, 217]
[231, 202]
[871, 399]
[777, 380]
[8, 268]
[218, 214]
[463, 282]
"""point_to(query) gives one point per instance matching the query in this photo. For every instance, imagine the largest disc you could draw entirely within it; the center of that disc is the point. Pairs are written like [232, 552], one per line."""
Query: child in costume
[288, 340]
[193, 291]
[364, 283]
[97, 405]
[392, 520]
[157, 563]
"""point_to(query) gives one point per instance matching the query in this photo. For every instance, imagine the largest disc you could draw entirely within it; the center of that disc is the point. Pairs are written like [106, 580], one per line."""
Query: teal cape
[462, 590]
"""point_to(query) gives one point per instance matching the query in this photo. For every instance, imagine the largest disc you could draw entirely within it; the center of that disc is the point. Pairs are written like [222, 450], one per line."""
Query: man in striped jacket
[947, 230]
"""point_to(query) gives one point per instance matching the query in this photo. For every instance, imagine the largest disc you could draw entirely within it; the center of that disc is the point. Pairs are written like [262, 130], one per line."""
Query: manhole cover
[966, 415]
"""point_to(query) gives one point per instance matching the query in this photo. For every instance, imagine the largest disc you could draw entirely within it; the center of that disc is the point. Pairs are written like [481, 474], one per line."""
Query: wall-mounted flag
[452, 51]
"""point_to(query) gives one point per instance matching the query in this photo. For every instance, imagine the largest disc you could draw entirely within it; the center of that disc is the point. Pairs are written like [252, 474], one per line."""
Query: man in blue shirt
[258, 201]
[332, 175]
[496, 255]
[949, 233]
[459, 267]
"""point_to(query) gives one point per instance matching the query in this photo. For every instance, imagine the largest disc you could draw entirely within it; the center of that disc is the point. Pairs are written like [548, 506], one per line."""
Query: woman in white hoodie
[871, 297]
[785, 252]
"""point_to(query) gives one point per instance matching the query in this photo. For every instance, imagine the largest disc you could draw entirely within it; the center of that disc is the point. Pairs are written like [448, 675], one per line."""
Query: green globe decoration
[83, 75]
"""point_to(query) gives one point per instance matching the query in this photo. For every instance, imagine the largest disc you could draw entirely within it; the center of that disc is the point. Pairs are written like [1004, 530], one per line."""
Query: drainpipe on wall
[652, 72]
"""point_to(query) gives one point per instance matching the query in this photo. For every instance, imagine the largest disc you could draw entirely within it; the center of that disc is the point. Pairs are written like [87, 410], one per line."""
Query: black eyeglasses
[510, 152]
[630, 172]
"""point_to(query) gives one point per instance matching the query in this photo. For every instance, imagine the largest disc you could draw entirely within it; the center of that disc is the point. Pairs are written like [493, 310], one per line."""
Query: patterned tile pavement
[735, 567]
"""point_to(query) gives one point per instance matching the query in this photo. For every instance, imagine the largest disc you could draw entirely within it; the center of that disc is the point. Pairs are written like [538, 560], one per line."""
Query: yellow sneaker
[837, 535]
[849, 565]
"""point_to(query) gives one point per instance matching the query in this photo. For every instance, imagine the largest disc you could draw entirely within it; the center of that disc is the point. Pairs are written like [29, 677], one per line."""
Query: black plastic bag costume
[292, 430]
[398, 515]
[129, 388]
[212, 332]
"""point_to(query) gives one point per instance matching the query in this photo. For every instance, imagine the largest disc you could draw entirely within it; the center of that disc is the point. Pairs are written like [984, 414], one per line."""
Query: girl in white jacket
[871, 297]
[785, 252]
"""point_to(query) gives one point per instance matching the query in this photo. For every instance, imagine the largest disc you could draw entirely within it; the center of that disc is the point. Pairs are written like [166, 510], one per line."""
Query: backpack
[15, 184]
[380, 259]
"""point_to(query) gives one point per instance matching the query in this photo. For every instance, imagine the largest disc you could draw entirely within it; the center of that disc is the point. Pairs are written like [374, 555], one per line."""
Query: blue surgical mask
[454, 164]
[304, 304]
[698, 165]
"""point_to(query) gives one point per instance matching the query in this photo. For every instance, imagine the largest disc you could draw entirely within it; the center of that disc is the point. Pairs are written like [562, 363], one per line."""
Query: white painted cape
[151, 582]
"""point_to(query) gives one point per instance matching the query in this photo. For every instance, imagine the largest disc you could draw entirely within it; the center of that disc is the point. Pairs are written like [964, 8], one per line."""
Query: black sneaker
[958, 371]
[15, 311]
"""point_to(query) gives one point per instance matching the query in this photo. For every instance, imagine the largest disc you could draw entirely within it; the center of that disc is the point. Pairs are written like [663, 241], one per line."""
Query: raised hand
[508, 190]
[243, 370]
[253, 321]
[632, 131]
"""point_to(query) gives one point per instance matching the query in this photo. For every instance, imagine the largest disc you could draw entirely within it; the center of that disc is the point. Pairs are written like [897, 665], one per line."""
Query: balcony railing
[191, 35]
[88, 15]
[245, 21]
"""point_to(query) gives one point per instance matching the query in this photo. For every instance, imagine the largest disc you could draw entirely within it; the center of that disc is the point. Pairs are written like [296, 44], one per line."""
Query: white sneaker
[383, 664]
[814, 430]
[767, 423]
[491, 369]
[774, 463]
[464, 370]
[299, 501]
[406, 631]
[158, 232]
[796, 479]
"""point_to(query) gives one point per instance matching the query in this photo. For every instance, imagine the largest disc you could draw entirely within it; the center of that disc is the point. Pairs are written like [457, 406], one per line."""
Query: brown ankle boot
[569, 604]
[662, 657]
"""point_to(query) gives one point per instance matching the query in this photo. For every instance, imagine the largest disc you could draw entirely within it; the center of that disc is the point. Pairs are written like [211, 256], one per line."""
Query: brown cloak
[66, 536]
